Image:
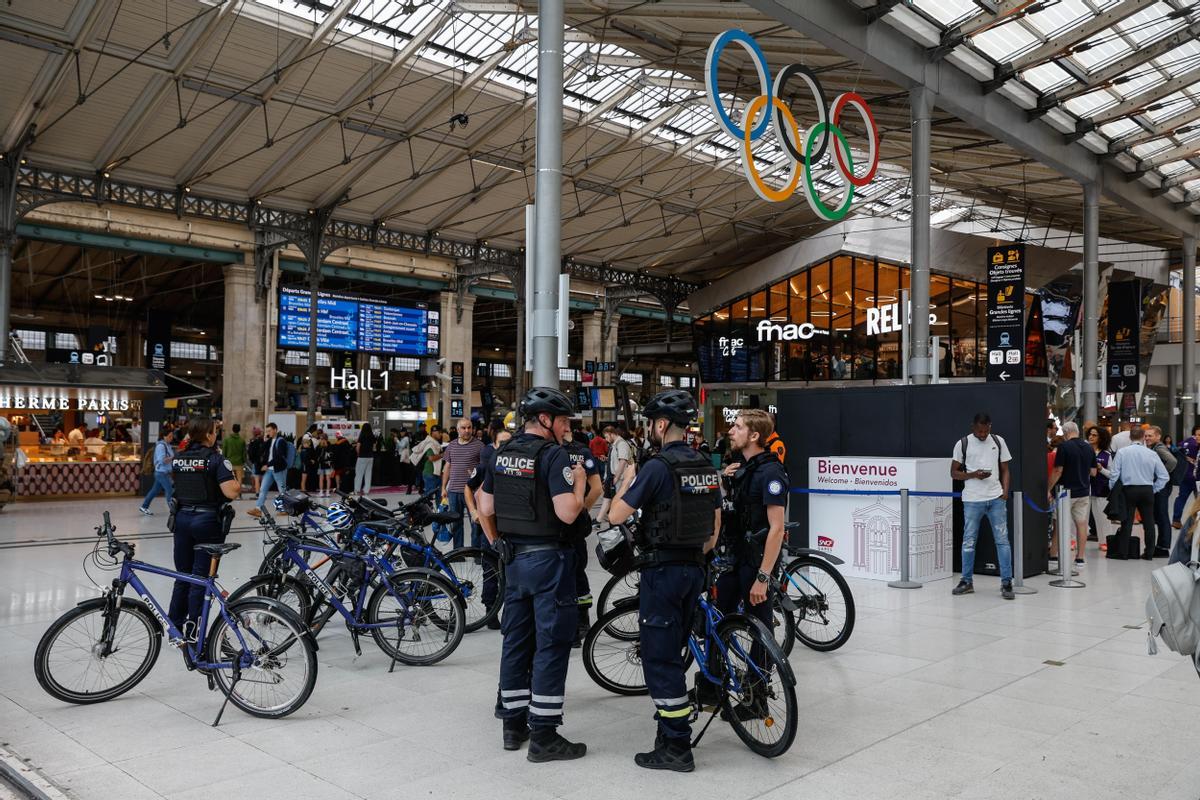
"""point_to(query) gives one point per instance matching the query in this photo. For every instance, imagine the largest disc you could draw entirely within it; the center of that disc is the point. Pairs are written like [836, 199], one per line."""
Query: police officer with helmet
[200, 514]
[581, 455]
[535, 494]
[679, 493]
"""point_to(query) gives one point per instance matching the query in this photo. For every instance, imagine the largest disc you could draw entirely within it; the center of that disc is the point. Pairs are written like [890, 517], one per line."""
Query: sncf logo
[699, 484]
[824, 542]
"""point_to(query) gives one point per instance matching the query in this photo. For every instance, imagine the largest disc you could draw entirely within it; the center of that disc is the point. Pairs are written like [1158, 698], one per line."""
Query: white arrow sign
[1004, 375]
[1121, 386]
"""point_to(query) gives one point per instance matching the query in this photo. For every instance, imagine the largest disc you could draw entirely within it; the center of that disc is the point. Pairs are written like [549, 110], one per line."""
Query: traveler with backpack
[163, 453]
[426, 457]
[980, 461]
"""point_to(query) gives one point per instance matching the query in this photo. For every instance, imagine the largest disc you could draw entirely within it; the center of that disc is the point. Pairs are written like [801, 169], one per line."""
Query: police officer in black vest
[679, 493]
[581, 455]
[758, 496]
[535, 495]
[200, 514]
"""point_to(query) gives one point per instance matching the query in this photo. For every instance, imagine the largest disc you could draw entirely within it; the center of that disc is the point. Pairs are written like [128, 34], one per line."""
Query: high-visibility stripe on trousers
[666, 602]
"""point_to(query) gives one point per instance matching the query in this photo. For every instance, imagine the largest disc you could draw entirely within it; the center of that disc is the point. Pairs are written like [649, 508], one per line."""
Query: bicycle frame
[700, 648]
[193, 650]
[431, 555]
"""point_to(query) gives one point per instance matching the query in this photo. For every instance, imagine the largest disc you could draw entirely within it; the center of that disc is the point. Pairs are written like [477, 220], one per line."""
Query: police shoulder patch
[228, 465]
[473, 471]
[775, 488]
[568, 476]
[587, 462]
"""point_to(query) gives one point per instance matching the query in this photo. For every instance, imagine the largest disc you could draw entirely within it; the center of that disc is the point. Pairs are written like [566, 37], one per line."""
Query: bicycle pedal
[212, 683]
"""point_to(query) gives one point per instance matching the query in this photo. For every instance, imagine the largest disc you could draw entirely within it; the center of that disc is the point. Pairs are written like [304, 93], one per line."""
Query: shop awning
[128, 379]
[179, 389]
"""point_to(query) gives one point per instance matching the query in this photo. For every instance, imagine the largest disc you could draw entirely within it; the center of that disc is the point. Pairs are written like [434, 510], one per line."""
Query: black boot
[581, 629]
[547, 745]
[672, 754]
[515, 734]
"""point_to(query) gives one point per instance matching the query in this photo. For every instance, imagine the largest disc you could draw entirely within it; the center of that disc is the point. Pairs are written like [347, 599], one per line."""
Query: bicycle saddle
[217, 548]
[444, 517]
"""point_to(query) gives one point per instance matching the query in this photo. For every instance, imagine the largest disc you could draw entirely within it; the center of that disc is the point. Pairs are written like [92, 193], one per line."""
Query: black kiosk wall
[925, 422]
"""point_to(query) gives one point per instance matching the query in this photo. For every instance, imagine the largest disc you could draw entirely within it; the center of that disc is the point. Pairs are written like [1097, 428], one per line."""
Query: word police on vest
[515, 465]
[700, 484]
[773, 331]
[886, 319]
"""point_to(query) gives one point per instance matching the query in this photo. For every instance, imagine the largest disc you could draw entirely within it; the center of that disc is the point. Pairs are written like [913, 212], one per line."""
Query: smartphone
[987, 473]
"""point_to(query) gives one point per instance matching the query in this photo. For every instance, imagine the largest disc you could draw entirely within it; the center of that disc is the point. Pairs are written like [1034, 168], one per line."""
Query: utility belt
[665, 555]
[508, 550]
[225, 512]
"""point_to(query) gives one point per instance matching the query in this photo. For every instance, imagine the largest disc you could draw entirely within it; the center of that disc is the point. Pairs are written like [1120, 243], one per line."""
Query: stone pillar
[593, 327]
[458, 322]
[608, 346]
[244, 350]
[1188, 395]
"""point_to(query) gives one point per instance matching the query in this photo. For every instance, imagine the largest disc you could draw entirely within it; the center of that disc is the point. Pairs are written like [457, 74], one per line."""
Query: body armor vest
[685, 521]
[195, 485]
[749, 516]
[524, 508]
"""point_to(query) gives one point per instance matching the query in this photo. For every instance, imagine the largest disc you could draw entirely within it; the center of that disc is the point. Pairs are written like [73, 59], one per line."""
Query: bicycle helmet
[339, 516]
[674, 404]
[545, 400]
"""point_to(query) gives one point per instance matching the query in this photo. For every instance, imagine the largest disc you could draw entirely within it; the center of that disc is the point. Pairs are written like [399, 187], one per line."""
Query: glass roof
[1104, 71]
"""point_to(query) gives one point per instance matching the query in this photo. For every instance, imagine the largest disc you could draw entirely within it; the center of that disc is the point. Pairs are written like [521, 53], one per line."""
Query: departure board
[346, 322]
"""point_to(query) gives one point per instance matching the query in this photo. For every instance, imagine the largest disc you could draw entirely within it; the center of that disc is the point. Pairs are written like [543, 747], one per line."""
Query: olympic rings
[804, 152]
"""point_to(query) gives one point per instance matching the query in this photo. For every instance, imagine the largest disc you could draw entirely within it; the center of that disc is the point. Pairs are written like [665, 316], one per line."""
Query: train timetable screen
[346, 322]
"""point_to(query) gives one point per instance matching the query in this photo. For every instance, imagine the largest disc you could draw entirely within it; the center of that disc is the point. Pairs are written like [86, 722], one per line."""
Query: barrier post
[1018, 583]
[1066, 532]
[905, 551]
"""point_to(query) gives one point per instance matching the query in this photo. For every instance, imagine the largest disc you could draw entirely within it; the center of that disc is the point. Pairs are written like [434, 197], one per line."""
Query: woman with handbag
[1100, 439]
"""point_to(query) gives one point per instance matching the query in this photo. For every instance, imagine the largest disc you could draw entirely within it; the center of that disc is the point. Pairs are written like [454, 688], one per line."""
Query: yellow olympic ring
[760, 187]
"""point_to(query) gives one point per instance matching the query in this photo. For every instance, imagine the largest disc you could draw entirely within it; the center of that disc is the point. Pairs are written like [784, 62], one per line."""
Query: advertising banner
[864, 529]
[1124, 322]
[1006, 313]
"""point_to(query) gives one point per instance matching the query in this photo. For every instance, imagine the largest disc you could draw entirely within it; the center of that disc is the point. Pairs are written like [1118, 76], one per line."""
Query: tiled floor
[934, 697]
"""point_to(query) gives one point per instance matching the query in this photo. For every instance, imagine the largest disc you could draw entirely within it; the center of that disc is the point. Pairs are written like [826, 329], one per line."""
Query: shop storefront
[80, 430]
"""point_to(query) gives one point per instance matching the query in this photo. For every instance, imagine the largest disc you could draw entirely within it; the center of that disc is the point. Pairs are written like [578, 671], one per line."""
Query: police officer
[679, 493]
[487, 460]
[758, 496]
[200, 514]
[535, 495]
[580, 454]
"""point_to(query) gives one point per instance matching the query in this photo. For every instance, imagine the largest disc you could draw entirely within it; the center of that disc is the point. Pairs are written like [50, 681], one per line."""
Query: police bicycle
[812, 597]
[256, 650]
[414, 615]
[741, 668]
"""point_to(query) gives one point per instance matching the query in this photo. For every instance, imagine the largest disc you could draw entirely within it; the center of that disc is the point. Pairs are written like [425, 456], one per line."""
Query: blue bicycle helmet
[339, 516]
[279, 505]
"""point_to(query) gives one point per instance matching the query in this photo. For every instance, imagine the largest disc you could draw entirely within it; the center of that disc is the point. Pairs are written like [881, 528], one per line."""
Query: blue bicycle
[256, 650]
[742, 672]
[414, 615]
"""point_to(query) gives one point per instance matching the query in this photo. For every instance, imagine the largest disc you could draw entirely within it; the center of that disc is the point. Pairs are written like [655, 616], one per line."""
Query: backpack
[148, 462]
[1182, 467]
[1173, 607]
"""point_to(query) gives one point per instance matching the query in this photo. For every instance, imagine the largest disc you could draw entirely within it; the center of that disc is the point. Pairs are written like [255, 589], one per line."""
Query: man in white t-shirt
[980, 461]
[620, 456]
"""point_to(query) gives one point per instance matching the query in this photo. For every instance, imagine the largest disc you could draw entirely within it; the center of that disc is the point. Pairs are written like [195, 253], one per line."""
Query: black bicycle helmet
[674, 404]
[544, 400]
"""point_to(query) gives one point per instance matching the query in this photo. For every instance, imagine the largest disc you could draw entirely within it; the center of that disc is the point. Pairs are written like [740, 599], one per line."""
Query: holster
[505, 550]
[227, 514]
[172, 507]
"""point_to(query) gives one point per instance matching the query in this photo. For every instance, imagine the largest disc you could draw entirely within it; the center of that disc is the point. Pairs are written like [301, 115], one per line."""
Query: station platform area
[934, 696]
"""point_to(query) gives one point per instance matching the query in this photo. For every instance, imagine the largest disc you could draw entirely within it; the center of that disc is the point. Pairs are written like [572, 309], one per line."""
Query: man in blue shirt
[532, 495]
[679, 494]
[1141, 473]
[1190, 447]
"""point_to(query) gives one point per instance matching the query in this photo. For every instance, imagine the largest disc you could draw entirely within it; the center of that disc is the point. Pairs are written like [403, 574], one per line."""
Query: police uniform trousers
[583, 586]
[733, 589]
[192, 528]
[666, 603]
[538, 624]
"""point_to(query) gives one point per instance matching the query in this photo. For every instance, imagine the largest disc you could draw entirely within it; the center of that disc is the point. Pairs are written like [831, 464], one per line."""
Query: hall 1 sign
[1124, 322]
[1006, 313]
[349, 380]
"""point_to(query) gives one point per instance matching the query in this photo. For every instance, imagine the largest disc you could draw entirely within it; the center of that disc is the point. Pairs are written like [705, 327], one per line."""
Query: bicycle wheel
[284, 588]
[618, 587]
[277, 666]
[784, 622]
[474, 568]
[422, 617]
[824, 606]
[68, 664]
[611, 656]
[763, 709]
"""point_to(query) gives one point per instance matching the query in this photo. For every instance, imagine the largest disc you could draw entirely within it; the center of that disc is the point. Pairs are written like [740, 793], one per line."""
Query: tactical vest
[749, 516]
[582, 526]
[684, 522]
[195, 485]
[524, 508]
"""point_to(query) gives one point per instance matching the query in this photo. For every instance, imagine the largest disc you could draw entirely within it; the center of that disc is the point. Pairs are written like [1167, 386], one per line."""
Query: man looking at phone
[980, 461]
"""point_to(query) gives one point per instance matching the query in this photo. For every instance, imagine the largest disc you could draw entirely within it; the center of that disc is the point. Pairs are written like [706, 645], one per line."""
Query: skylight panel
[1047, 77]
[1060, 17]
[947, 11]
[1005, 41]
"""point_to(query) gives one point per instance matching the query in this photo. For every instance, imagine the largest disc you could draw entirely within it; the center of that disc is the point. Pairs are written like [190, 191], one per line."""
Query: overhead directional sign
[1006, 313]
[1124, 322]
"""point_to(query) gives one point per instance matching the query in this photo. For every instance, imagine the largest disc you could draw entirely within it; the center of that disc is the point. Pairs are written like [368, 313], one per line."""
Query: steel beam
[898, 58]
[1106, 75]
[1060, 43]
[1091, 303]
[1189, 334]
[920, 365]
[1138, 102]
[1150, 132]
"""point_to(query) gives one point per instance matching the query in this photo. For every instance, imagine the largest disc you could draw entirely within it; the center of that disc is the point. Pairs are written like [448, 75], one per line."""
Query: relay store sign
[836, 472]
[886, 319]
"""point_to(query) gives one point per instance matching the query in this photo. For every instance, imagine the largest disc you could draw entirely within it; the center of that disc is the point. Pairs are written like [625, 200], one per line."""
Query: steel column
[1091, 302]
[1189, 334]
[548, 200]
[7, 239]
[921, 102]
